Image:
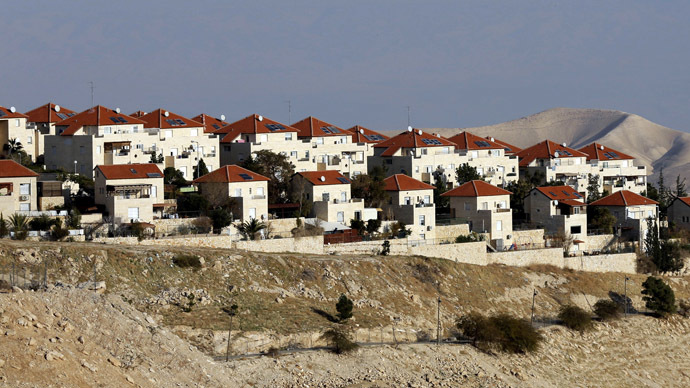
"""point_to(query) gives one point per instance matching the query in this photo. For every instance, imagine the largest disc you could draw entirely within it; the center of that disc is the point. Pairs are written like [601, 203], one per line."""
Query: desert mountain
[654, 145]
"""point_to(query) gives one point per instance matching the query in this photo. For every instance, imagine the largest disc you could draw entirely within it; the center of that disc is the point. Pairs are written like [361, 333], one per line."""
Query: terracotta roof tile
[330, 177]
[469, 141]
[365, 135]
[685, 200]
[252, 124]
[97, 115]
[476, 188]
[412, 139]
[624, 198]
[560, 192]
[6, 113]
[231, 173]
[596, 151]
[211, 124]
[547, 149]
[48, 114]
[313, 127]
[509, 148]
[11, 169]
[402, 182]
[130, 171]
[138, 114]
[158, 119]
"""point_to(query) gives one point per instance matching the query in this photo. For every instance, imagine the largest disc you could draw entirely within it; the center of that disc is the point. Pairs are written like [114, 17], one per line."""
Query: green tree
[651, 192]
[158, 159]
[220, 218]
[250, 230]
[192, 202]
[42, 222]
[680, 188]
[599, 217]
[200, 169]
[385, 248]
[440, 187]
[20, 226]
[4, 231]
[658, 296]
[520, 189]
[12, 146]
[593, 189]
[172, 176]
[277, 168]
[466, 173]
[74, 219]
[664, 192]
[371, 188]
[359, 226]
[373, 226]
[665, 254]
[344, 308]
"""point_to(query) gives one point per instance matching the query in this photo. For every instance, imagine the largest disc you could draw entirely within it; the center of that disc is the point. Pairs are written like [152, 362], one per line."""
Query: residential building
[412, 203]
[419, 155]
[616, 170]
[361, 134]
[508, 148]
[210, 123]
[560, 210]
[632, 212]
[245, 191]
[13, 126]
[486, 209]
[43, 120]
[129, 192]
[17, 188]
[330, 194]
[554, 162]
[488, 157]
[103, 136]
[678, 212]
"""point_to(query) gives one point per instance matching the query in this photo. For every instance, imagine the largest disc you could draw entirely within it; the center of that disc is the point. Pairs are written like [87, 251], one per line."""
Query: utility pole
[289, 112]
[534, 294]
[625, 292]
[92, 87]
[232, 311]
[408, 116]
[438, 314]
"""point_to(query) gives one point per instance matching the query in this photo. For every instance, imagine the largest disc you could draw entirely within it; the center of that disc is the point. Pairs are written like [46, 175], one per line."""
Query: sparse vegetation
[20, 226]
[472, 237]
[187, 261]
[251, 230]
[385, 248]
[607, 309]
[4, 230]
[659, 296]
[575, 318]
[344, 308]
[499, 332]
[339, 340]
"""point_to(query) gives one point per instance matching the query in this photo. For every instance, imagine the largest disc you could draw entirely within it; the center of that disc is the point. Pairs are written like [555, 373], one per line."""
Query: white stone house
[330, 194]
[678, 212]
[488, 157]
[556, 163]
[632, 212]
[129, 192]
[18, 192]
[560, 210]
[616, 170]
[412, 203]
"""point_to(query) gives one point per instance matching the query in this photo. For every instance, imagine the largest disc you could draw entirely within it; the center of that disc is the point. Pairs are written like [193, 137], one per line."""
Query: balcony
[424, 205]
[258, 197]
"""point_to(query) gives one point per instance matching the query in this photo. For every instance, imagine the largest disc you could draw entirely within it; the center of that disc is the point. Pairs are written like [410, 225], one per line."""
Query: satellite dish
[602, 147]
[420, 131]
[13, 109]
[409, 129]
[555, 202]
[261, 118]
[57, 107]
[556, 154]
[563, 144]
[322, 179]
[492, 139]
[361, 131]
[166, 113]
[117, 110]
[222, 117]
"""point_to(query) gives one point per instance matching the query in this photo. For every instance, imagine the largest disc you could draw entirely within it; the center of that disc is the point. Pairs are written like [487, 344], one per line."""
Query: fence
[24, 275]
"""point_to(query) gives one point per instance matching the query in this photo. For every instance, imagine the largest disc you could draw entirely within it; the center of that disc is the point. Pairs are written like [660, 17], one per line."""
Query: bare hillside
[654, 145]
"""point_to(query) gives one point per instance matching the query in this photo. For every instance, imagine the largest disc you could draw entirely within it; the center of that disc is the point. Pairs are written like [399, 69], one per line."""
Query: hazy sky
[457, 64]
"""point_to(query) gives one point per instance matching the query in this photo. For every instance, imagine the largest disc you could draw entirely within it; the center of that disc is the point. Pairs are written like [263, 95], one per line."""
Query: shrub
[339, 340]
[344, 308]
[220, 218]
[385, 248]
[42, 223]
[607, 309]
[575, 318]
[472, 237]
[20, 226]
[684, 308]
[4, 230]
[658, 296]
[187, 261]
[58, 231]
[203, 224]
[273, 352]
[502, 332]
[74, 219]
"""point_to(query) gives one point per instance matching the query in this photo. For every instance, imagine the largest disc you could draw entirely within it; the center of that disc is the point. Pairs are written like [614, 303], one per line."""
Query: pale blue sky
[457, 64]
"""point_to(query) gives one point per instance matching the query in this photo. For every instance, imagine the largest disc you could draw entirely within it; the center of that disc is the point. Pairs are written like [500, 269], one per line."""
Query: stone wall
[620, 262]
[450, 232]
[398, 247]
[528, 238]
[471, 253]
[312, 245]
[549, 256]
[283, 226]
[600, 242]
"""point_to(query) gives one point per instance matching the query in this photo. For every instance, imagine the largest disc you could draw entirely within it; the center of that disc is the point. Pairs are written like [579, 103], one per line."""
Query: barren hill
[654, 145]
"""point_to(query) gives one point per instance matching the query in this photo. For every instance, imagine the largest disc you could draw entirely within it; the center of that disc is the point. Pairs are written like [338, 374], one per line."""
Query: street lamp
[625, 293]
[534, 294]
[75, 167]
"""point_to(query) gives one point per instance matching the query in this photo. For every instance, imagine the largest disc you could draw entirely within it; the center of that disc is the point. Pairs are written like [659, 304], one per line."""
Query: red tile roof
[330, 177]
[547, 150]
[97, 115]
[130, 171]
[159, 119]
[685, 200]
[211, 124]
[624, 198]
[12, 169]
[230, 173]
[6, 113]
[469, 141]
[138, 114]
[596, 151]
[412, 139]
[560, 193]
[48, 114]
[365, 135]
[252, 124]
[476, 188]
[402, 182]
[509, 148]
[313, 127]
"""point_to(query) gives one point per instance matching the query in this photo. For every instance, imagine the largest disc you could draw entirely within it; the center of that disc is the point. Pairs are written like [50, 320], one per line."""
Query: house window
[30, 140]
[502, 205]
[576, 210]
[429, 169]
[98, 149]
[343, 196]
[288, 136]
[183, 170]
[422, 236]
[154, 192]
[427, 199]
[319, 140]
[416, 169]
[25, 207]
[25, 189]
[133, 213]
[326, 197]
[238, 192]
[358, 215]
[293, 154]
[195, 132]
[260, 191]
[422, 220]
[468, 206]
[341, 216]
[252, 213]
[168, 133]
[576, 229]
[485, 206]
[407, 201]
[424, 151]
[16, 122]
[499, 225]
[139, 146]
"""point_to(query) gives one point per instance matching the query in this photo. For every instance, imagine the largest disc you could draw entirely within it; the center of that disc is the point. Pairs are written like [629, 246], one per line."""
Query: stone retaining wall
[471, 253]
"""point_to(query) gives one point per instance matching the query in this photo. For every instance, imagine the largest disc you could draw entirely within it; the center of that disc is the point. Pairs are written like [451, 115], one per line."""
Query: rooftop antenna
[92, 87]
[408, 116]
[289, 112]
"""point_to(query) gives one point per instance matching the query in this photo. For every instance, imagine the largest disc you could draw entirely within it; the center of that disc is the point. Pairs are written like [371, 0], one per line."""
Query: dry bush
[425, 273]
[575, 318]
[499, 332]
[339, 340]
[187, 261]
[607, 309]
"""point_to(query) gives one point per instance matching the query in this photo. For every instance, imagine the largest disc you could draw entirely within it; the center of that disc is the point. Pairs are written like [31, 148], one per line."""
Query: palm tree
[13, 145]
[250, 229]
[20, 225]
